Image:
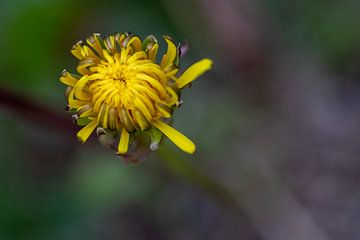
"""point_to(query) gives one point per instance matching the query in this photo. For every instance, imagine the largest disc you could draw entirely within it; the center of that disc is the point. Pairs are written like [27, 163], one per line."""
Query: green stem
[182, 167]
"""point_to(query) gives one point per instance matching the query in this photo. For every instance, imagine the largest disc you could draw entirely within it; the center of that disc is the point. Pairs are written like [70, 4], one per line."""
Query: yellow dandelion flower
[121, 89]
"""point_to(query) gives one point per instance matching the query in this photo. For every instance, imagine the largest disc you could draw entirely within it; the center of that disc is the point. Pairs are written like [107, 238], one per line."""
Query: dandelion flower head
[120, 89]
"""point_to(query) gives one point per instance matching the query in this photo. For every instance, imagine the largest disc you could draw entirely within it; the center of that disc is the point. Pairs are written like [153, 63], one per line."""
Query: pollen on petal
[175, 136]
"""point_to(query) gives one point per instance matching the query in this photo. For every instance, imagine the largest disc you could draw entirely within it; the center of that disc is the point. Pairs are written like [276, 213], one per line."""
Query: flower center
[118, 72]
[112, 85]
[127, 91]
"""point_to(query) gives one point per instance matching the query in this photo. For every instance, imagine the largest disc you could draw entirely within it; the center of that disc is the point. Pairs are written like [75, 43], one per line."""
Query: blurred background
[276, 123]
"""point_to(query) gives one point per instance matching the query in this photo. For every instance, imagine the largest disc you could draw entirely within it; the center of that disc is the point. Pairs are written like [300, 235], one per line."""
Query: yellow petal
[140, 119]
[136, 57]
[170, 55]
[89, 53]
[95, 42]
[108, 57]
[79, 87]
[84, 65]
[124, 142]
[176, 137]
[148, 103]
[78, 51]
[119, 38]
[174, 98]
[112, 121]
[87, 113]
[150, 92]
[110, 44]
[100, 97]
[193, 72]
[86, 131]
[126, 119]
[164, 110]
[103, 115]
[172, 73]
[153, 51]
[153, 82]
[135, 43]
[74, 103]
[153, 70]
[139, 104]
[68, 79]
[124, 54]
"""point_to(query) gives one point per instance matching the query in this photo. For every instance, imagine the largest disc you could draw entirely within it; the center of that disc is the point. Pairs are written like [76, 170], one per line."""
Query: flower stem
[183, 168]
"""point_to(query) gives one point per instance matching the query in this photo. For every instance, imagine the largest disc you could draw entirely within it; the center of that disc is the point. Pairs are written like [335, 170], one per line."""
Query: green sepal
[83, 121]
[178, 52]
[155, 137]
[149, 42]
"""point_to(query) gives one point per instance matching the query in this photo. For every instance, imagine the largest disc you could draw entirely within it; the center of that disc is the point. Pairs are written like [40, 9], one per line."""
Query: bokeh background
[276, 123]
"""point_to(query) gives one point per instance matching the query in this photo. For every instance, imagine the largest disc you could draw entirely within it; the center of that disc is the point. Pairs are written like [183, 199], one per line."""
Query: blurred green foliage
[328, 26]
[51, 187]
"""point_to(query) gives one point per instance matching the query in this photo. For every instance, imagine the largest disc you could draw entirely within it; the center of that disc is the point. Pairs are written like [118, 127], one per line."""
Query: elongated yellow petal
[148, 103]
[170, 55]
[86, 131]
[143, 108]
[78, 51]
[84, 65]
[176, 137]
[140, 119]
[126, 119]
[109, 43]
[79, 93]
[135, 42]
[95, 42]
[87, 113]
[102, 119]
[68, 79]
[73, 102]
[152, 53]
[193, 72]
[99, 101]
[124, 55]
[124, 142]
[119, 38]
[153, 70]
[147, 91]
[173, 96]
[153, 82]
[172, 73]
[164, 110]
[136, 57]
